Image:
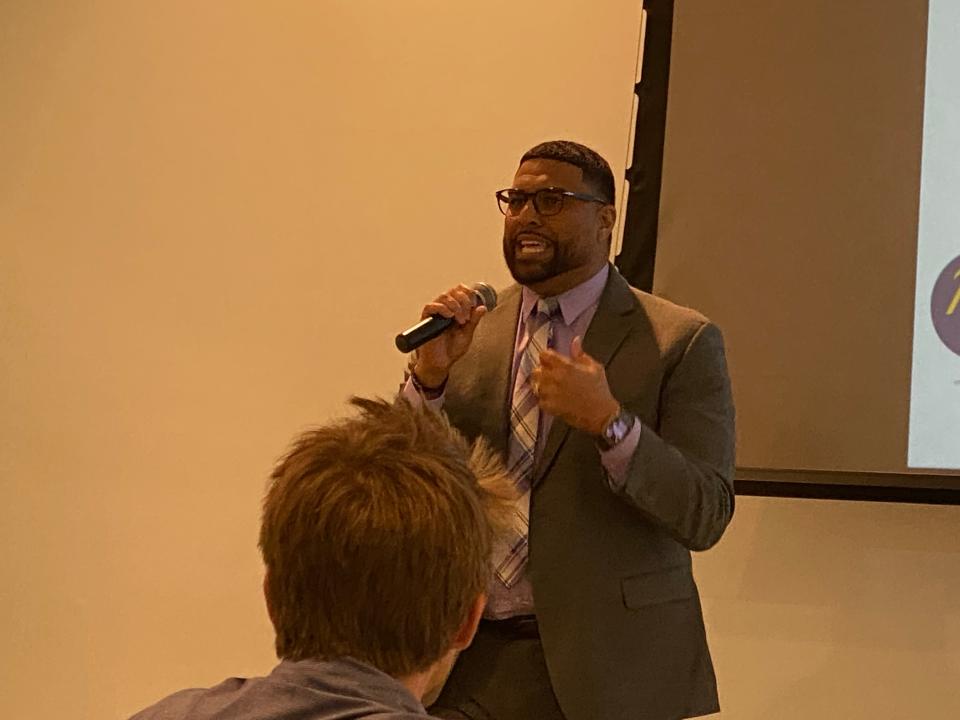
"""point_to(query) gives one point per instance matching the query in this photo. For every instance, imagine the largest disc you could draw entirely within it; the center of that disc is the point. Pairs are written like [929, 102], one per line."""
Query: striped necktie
[510, 556]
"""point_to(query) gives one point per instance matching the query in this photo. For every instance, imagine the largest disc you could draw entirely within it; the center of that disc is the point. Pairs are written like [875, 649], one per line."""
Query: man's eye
[549, 200]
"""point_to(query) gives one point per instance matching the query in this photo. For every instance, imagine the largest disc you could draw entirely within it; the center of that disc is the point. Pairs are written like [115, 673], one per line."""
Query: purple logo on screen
[945, 305]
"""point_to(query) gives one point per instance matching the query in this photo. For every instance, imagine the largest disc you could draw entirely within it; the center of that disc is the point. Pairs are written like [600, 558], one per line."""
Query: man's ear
[608, 218]
[468, 629]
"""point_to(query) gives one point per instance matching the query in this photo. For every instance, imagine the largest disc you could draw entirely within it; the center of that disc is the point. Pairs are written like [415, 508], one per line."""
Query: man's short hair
[376, 535]
[596, 170]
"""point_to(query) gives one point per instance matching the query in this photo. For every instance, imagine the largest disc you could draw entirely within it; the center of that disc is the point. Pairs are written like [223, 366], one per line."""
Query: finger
[465, 303]
[475, 317]
[452, 304]
[535, 377]
[576, 348]
[546, 404]
[578, 354]
[478, 312]
[436, 308]
[548, 397]
[549, 381]
[553, 359]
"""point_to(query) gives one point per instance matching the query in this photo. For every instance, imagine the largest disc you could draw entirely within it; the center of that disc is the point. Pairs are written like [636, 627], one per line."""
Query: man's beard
[528, 272]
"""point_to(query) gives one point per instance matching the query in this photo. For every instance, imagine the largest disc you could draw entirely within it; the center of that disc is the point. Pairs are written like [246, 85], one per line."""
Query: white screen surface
[935, 386]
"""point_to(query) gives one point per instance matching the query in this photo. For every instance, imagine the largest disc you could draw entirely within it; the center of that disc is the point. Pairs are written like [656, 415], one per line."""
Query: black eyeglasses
[546, 201]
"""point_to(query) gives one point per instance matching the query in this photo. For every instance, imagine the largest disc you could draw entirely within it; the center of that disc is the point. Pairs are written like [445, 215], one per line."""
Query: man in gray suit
[376, 537]
[614, 412]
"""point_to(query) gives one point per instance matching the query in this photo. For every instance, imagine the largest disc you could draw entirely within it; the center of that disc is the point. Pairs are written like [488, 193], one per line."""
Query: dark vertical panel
[639, 248]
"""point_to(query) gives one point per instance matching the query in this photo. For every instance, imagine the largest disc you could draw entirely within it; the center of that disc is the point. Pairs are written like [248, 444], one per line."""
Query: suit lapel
[611, 323]
[609, 327]
[495, 364]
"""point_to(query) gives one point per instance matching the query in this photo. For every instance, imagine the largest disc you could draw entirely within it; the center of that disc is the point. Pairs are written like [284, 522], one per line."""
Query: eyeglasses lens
[548, 202]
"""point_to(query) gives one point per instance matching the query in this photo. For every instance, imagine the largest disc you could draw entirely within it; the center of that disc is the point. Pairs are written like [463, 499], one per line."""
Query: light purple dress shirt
[577, 307]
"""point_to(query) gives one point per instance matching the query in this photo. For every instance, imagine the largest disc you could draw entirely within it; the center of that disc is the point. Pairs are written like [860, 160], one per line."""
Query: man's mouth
[528, 245]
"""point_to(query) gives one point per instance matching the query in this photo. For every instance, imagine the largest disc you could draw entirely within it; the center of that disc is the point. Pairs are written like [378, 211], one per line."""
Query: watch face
[617, 430]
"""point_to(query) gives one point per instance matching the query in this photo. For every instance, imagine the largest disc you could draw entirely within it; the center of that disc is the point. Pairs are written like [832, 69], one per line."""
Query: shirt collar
[346, 677]
[574, 301]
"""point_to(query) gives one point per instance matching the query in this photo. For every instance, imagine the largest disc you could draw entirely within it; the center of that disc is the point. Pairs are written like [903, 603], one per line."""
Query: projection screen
[810, 207]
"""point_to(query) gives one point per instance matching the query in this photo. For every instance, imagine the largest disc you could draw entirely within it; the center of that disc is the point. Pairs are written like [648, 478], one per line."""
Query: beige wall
[213, 219]
[835, 610]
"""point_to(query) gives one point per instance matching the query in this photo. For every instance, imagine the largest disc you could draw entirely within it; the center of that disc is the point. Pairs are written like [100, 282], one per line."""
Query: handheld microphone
[428, 328]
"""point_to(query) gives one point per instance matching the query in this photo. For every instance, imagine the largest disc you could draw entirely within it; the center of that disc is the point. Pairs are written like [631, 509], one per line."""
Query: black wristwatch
[616, 430]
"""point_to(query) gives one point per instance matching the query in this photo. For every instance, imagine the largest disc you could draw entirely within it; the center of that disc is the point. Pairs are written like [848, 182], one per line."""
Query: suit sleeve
[681, 474]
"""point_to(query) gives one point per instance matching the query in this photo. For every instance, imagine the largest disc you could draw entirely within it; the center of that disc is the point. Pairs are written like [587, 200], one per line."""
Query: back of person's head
[596, 171]
[376, 535]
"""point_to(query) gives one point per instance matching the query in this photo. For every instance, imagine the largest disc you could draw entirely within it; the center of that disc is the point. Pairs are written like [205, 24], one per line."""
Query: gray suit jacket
[618, 609]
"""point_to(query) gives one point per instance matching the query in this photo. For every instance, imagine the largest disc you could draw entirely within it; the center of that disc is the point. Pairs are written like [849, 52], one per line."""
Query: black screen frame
[637, 261]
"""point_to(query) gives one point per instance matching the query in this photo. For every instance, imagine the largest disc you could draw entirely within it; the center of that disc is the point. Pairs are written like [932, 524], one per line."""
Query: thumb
[576, 350]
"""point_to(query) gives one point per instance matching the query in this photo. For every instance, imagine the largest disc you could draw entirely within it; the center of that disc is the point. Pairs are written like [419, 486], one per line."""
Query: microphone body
[429, 328]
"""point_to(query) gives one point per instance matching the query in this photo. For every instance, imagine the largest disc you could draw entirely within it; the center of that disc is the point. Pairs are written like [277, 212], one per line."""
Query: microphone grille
[486, 295]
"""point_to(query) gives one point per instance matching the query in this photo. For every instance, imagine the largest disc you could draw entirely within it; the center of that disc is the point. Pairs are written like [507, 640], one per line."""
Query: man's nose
[528, 213]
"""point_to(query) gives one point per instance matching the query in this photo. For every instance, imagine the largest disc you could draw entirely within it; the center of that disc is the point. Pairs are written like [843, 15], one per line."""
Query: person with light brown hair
[377, 534]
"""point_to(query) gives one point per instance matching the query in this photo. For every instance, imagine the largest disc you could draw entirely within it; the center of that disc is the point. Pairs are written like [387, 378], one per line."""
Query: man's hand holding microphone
[573, 388]
[465, 306]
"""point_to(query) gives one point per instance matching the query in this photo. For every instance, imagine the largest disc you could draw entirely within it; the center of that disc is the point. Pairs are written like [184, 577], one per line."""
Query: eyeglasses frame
[532, 195]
